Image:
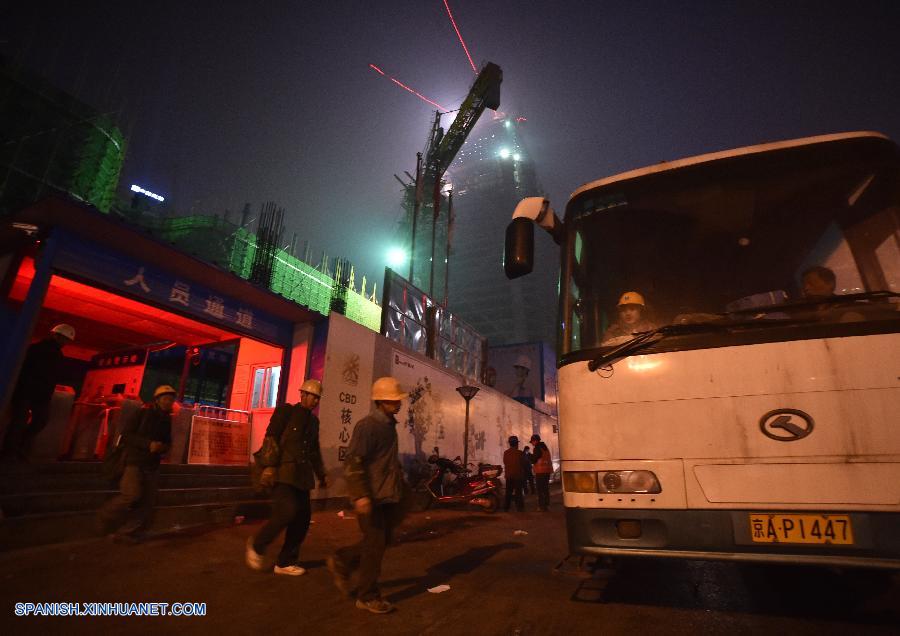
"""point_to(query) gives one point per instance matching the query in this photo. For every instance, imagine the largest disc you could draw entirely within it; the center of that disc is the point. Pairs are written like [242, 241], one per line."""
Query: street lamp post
[467, 391]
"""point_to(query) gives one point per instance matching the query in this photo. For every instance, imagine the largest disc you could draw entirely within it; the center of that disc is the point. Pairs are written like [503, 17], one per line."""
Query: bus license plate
[797, 528]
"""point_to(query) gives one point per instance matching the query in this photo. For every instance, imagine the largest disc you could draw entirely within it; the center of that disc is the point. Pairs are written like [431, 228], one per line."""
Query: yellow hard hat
[313, 387]
[632, 298]
[164, 389]
[387, 388]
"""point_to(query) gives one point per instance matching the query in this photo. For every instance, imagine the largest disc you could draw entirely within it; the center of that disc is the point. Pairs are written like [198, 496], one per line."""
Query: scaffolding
[52, 143]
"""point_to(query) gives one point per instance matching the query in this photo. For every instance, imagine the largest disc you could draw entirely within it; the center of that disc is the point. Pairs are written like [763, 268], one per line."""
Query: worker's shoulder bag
[114, 461]
[268, 456]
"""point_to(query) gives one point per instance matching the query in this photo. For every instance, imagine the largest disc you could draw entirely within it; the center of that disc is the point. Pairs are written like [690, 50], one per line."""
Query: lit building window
[265, 387]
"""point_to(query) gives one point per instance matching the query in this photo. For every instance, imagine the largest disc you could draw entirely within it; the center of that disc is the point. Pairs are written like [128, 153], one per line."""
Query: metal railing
[87, 420]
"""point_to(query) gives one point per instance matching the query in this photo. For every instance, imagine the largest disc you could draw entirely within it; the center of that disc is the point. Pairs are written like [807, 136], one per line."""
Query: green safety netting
[218, 241]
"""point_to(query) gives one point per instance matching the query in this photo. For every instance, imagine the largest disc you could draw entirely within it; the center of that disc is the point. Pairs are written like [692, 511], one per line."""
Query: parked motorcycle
[452, 483]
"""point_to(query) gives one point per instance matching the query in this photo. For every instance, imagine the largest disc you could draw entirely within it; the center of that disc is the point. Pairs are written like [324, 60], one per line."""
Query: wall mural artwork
[424, 416]
[433, 408]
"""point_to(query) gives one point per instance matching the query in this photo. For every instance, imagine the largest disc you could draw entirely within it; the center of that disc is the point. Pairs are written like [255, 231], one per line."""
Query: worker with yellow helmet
[376, 486]
[632, 318]
[293, 461]
[146, 437]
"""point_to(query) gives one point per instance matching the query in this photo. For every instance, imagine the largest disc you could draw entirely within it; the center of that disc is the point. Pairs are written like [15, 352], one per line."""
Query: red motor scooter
[451, 483]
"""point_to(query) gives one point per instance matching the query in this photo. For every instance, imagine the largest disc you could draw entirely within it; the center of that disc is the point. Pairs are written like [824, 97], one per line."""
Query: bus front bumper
[725, 535]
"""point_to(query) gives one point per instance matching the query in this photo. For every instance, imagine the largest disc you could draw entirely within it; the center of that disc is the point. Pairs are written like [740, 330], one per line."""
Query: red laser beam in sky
[459, 35]
[407, 88]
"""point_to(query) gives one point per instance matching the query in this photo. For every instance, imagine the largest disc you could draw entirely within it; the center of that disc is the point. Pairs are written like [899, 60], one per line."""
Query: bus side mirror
[518, 253]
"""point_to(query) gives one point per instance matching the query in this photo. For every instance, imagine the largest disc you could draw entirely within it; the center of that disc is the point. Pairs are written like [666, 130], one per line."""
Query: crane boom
[485, 93]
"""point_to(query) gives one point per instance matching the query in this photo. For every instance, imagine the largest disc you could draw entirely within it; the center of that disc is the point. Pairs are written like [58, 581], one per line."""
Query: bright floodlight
[396, 257]
[146, 193]
[517, 157]
[504, 153]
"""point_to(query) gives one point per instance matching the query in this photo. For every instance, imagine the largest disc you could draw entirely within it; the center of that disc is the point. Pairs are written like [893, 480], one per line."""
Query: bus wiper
[648, 338]
[652, 337]
[816, 302]
[843, 298]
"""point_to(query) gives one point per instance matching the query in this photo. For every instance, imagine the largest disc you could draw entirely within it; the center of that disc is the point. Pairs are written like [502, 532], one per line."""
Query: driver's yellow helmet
[632, 298]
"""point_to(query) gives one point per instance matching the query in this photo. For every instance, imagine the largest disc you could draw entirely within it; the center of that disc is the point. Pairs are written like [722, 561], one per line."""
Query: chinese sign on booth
[162, 288]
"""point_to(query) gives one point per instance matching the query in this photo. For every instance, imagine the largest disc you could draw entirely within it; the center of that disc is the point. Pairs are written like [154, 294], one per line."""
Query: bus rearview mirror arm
[518, 255]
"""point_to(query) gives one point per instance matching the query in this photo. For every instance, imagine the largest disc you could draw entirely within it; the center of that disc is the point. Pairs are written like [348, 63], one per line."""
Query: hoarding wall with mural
[525, 372]
[346, 389]
[434, 415]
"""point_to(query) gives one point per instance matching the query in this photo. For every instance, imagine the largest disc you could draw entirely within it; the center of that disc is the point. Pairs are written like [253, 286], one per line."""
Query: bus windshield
[781, 245]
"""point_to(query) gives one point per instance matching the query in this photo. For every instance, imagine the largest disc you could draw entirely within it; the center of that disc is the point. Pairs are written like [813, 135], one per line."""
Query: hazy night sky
[228, 102]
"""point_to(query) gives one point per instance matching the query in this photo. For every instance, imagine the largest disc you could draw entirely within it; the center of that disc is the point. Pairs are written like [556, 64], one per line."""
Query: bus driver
[632, 318]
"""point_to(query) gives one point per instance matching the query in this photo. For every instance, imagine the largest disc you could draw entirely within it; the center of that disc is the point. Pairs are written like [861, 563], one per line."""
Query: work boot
[253, 558]
[290, 570]
[375, 605]
[341, 580]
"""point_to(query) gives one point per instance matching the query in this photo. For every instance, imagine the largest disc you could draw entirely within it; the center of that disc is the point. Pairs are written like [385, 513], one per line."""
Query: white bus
[729, 369]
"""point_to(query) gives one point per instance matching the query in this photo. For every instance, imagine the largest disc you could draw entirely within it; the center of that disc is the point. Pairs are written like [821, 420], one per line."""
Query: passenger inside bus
[818, 283]
[632, 318]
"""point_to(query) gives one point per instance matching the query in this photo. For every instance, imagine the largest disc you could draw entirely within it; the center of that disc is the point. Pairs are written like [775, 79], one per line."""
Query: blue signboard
[165, 289]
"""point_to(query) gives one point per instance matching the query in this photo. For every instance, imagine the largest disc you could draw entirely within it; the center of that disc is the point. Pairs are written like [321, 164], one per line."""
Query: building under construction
[491, 173]
[51, 143]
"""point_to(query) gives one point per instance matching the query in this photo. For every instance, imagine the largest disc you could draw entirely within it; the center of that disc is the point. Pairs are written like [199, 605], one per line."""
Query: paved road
[500, 583]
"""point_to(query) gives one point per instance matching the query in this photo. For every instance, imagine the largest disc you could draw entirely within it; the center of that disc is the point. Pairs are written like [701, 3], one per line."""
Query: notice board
[219, 442]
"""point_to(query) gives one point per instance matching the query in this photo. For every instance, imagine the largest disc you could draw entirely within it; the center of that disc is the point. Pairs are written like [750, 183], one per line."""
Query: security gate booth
[145, 314]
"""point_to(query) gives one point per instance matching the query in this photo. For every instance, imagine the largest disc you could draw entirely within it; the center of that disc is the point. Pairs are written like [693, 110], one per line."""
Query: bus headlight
[579, 481]
[629, 481]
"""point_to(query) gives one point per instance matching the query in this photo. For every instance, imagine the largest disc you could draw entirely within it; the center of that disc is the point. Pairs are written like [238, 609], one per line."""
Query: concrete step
[18, 478]
[55, 502]
[54, 468]
[42, 529]
[17, 505]
[68, 482]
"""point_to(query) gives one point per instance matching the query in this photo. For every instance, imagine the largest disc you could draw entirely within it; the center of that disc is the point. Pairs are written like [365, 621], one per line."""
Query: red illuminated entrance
[207, 364]
[106, 321]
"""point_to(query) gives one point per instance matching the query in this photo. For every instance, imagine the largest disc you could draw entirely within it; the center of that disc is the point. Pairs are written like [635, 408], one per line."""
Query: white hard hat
[312, 386]
[524, 362]
[388, 389]
[67, 331]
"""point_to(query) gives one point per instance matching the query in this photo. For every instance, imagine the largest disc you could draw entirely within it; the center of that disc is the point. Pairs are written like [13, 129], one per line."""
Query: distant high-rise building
[492, 172]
